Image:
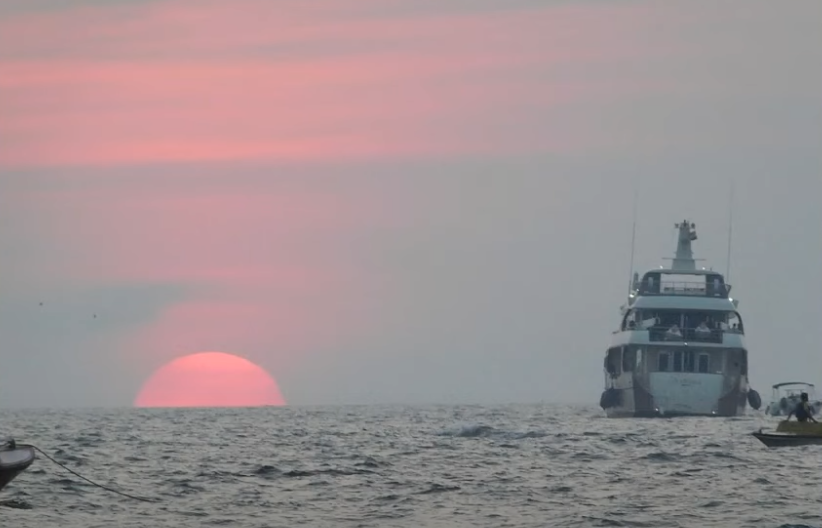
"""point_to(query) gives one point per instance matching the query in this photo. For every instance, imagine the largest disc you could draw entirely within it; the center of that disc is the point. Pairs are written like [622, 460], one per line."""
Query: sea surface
[395, 466]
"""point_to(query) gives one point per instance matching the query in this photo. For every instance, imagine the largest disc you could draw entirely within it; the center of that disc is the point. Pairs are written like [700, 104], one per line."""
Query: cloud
[168, 82]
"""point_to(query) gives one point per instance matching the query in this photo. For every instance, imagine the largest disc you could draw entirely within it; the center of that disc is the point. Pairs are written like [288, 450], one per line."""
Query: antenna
[730, 229]
[633, 241]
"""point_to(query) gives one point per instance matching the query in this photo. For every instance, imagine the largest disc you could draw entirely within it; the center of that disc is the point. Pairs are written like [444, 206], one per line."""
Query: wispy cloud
[182, 81]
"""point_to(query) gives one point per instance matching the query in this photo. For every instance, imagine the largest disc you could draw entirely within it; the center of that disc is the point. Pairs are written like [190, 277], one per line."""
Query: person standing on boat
[802, 411]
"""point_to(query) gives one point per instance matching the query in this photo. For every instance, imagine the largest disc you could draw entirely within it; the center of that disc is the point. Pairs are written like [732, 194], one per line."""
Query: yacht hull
[638, 402]
[616, 413]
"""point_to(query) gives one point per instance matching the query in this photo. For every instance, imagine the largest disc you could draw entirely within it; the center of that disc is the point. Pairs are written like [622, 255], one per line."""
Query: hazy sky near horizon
[398, 200]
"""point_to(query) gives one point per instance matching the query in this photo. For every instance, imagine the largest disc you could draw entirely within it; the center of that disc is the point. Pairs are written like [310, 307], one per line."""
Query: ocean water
[479, 466]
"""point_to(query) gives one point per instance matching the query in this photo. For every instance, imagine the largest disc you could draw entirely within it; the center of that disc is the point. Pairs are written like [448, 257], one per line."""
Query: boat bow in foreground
[14, 459]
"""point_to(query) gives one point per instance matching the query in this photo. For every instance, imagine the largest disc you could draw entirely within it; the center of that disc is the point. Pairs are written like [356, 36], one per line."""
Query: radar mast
[684, 258]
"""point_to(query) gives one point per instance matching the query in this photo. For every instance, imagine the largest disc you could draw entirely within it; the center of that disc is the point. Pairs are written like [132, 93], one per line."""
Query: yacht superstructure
[680, 349]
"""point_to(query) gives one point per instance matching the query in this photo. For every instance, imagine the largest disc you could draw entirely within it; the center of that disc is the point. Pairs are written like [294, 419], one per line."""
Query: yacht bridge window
[666, 282]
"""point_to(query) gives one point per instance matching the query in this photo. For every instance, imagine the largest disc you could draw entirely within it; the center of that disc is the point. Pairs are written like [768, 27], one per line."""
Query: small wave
[530, 434]
[89, 440]
[186, 487]
[16, 504]
[604, 521]
[370, 462]
[266, 470]
[388, 498]
[335, 472]
[218, 475]
[439, 488]
[486, 431]
[469, 431]
[660, 456]
[67, 458]
[586, 456]
[726, 455]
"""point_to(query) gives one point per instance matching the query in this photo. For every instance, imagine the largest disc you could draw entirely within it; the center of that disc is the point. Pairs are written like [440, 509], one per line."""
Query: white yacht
[680, 349]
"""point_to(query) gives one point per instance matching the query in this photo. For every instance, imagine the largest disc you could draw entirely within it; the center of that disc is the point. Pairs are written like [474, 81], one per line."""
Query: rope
[144, 499]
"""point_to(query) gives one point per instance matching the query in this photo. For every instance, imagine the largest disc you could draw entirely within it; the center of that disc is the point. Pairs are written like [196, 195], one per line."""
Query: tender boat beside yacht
[680, 349]
[786, 395]
[14, 459]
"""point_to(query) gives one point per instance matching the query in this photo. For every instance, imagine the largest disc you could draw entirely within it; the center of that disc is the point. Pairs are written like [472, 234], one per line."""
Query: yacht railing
[661, 333]
[685, 334]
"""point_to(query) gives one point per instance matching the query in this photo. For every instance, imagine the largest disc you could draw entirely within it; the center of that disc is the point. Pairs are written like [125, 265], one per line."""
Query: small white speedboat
[786, 395]
[14, 459]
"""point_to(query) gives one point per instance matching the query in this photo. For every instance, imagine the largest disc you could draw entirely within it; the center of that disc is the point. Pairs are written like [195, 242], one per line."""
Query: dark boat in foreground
[792, 434]
[787, 439]
[14, 459]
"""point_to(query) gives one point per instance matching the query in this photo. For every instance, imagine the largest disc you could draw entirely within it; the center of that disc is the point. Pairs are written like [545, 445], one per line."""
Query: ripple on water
[515, 466]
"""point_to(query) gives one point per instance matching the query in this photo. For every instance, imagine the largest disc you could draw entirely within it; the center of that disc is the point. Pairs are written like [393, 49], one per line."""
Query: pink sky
[253, 80]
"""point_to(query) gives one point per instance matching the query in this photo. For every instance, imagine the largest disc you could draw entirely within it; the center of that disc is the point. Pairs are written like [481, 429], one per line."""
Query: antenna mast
[730, 229]
[633, 241]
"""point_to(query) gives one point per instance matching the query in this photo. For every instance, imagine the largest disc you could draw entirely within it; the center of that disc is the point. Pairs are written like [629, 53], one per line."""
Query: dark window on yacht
[630, 321]
[650, 283]
[715, 286]
[663, 361]
[704, 361]
[628, 359]
[678, 361]
[734, 323]
[689, 361]
[669, 319]
[694, 319]
[647, 319]
[612, 361]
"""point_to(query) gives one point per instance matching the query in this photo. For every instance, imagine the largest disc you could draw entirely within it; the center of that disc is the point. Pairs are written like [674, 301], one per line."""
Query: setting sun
[209, 379]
